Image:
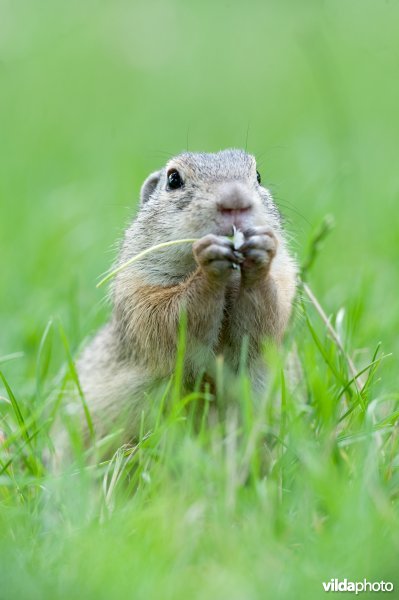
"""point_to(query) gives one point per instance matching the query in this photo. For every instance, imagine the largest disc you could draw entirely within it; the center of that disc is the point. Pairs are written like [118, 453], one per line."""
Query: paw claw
[215, 256]
[259, 249]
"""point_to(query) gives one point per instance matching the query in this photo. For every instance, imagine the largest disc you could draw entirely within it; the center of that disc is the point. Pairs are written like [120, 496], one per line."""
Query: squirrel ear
[149, 186]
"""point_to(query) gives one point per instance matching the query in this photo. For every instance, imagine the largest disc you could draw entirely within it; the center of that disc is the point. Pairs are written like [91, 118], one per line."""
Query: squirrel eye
[174, 180]
[258, 177]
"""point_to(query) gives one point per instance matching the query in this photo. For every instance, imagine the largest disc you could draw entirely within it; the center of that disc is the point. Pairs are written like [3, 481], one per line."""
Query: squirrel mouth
[234, 218]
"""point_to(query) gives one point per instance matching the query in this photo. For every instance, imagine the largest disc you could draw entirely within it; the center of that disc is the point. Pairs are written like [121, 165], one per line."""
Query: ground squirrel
[226, 293]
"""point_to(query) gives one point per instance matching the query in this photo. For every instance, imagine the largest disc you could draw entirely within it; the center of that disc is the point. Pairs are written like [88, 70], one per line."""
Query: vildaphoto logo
[336, 585]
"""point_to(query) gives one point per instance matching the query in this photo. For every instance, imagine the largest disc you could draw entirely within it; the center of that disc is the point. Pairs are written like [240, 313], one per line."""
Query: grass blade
[75, 377]
[141, 255]
[15, 406]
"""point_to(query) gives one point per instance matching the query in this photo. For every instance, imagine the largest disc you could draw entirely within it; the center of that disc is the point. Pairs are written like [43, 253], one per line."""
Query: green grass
[279, 495]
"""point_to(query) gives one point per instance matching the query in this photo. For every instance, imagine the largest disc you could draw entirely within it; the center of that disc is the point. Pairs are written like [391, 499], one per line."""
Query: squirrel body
[225, 292]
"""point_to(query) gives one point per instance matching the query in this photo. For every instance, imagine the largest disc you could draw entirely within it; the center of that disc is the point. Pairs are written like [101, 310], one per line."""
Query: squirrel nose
[235, 197]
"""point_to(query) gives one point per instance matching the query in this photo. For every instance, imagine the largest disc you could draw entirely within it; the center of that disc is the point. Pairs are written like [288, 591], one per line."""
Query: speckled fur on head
[191, 212]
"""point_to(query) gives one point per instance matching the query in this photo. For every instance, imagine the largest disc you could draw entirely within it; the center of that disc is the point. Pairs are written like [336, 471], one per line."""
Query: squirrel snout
[234, 197]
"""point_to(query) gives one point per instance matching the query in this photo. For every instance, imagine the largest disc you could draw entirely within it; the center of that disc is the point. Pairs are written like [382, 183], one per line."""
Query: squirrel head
[209, 193]
[193, 195]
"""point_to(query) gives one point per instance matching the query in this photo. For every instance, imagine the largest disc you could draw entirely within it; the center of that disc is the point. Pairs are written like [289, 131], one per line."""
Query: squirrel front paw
[258, 250]
[215, 256]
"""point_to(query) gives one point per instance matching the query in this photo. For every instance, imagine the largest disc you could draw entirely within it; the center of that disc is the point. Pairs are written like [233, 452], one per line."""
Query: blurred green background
[94, 95]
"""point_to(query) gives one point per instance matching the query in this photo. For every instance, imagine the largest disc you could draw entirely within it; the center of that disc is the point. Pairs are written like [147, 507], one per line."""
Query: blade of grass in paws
[140, 255]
